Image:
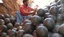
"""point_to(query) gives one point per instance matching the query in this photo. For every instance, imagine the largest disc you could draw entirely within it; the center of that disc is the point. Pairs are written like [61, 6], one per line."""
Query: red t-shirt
[24, 9]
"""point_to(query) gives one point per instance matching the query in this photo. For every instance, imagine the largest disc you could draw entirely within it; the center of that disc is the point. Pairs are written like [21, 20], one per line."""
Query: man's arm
[24, 11]
[34, 10]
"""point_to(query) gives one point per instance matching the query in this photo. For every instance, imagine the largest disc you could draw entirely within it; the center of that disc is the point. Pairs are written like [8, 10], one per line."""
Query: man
[25, 10]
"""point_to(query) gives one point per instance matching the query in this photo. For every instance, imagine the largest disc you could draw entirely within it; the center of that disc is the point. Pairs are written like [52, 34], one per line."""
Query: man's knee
[18, 12]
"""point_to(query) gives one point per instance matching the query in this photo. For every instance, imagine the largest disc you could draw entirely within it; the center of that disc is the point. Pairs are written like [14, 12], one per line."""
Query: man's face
[27, 3]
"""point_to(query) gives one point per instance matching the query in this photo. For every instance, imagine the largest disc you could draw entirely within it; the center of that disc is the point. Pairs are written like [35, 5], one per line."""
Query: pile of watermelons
[46, 23]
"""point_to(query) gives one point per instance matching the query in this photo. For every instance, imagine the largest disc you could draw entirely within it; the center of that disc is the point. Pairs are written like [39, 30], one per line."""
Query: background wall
[1, 1]
[42, 3]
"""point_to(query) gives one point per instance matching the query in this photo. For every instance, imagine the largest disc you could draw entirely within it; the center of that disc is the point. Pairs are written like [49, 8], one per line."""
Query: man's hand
[36, 8]
[32, 13]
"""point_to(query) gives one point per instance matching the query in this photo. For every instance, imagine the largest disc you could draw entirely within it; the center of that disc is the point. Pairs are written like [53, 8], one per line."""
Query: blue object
[20, 18]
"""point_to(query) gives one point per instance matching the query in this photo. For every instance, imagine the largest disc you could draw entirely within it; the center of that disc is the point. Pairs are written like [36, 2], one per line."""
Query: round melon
[40, 12]
[15, 29]
[11, 33]
[2, 16]
[2, 22]
[34, 33]
[20, 33]
[61, 29]
[49, 34]
[28, 28]
[28, 35]
[60, 18]
[56, 35]
[27, 21]
[7, 16]
[13, 20]
[42, 31]
[39, 25]
[46, 15]
[16, 24]
[36, 20]
[10, 25]
[49, 23]
[56, 28]
[4, 28]
[7, 20]
[3, 34]
[53, 10]
[52, 16]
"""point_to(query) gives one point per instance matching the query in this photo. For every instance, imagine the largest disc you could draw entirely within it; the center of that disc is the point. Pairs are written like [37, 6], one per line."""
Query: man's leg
[26, 17]
[19, 17]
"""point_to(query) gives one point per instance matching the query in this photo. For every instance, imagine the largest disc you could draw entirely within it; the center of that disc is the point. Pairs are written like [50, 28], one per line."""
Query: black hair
[25, 1]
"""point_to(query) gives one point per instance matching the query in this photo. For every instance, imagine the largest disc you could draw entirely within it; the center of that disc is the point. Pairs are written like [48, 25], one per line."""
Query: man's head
[25, 2]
